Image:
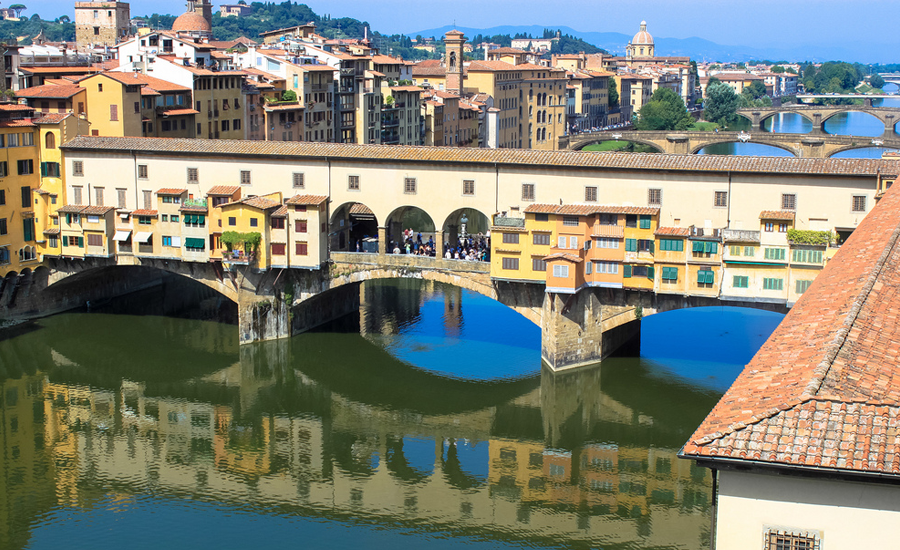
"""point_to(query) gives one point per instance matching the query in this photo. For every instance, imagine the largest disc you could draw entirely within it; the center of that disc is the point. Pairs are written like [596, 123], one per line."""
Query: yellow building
[20, 170]
[113, 104]
[640, 245]
[671, 259]
[704, 263]
[519, 246]
[304, 232]
[248, 220]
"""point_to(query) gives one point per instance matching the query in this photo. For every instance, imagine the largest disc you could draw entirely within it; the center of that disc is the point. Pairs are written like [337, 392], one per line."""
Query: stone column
[382, 241]
[262, 317]
[438, 244]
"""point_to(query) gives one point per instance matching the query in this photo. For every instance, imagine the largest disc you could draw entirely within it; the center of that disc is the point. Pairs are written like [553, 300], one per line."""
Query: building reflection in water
[552, 459]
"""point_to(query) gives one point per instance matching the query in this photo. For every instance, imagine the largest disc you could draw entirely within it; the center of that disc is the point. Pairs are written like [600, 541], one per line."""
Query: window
[278, 249]
[225, 125]
[236, 123]
[705, 247]
[194, 220]
[631, 245]
[4, 169]
[76, 195]
[2, 197]
[27, 140]
[277, 223]
[706, 277]
[540, 238]
[468, 187]
[806, 256]
[26, 197]
[193, 175]
[588, 267]
[98, 196]
[144, 220]
[254, 222]
[12, 140]
[672, 245]
[25, 166]
[142, 171]
[353, 183]
[542, 217]
[50, 140]
[631, 220]
[609, 219]
[297, 180]
[769, 227]
[721, 200]
[859, 202]
[654, 197]
[232, 220]
[773, 284]
[95, 239]
[120, 198]
[638, 271]
[740, 281]
[782, 228]
[570, 220]
[50, 169]
[3, 229]
[300, 226]
[590, 194]
[301, 249]
[802, 286]
[645, 222]
[788, 201]
[606, 242]
[148, 199]
[538, 264]
[511, 238]
[573, 243]
[114, 113]
[527, 191]
[790, 541]
[774, 253]
[164, 217]
[670, 274]
[561, 271]
[749, 251]
[645, 245]
[510, 263]
[606, 267]
[245, 177]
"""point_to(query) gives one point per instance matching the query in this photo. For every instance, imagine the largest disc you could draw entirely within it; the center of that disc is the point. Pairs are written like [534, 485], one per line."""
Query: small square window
[142, 171]
[298, 180]
[245, 177]
[859, 203]
[193, 175]
[77, 168]
[721, 199]
[527, 191]
[254, 222]
[353, 183]
[590, 194]
[468, 187]
[654, 197]
[409, 186]
[788, 201]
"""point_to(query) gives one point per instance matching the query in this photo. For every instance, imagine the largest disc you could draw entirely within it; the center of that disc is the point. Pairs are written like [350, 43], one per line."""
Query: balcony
[503, 221]
[740, 236]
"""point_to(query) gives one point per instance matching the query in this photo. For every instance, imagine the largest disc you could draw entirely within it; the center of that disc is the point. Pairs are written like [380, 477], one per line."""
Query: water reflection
[330, 427]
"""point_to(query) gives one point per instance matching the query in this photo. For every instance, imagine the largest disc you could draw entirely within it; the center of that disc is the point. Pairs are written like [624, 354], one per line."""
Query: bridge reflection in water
[331, 425]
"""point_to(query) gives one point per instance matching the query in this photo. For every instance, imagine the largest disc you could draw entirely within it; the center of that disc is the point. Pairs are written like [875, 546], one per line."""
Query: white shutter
[573, 243]
[562, 242]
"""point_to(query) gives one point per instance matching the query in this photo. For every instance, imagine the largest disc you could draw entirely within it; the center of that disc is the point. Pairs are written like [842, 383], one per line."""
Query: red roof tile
[50, 91]
[776, 215]
[589, 209]
[143, 212]
[563, 256]
[97, 210]
[824, 390]
[673, 232]
[309, 200]
[170, 191]
[223, 190]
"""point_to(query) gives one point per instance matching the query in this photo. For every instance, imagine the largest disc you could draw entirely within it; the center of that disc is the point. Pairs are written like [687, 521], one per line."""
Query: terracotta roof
[52, 231]
[310, 200]
[776, 215]
[52, 118]
[491, 66]
[24, 123]
[50, 91]
[256, 202]
[97, 210]
[154, 83]
[171, 191]
[142, 212]
[359, 208]
[70, 209]
[281, 212]
[589, 209]
[59, 70]
[474, 155]
[221, 190]
[192, 208]
[673, 232]
[563, 256]
[180, 112]
[428, 71]
[824, 390]
[15, 107]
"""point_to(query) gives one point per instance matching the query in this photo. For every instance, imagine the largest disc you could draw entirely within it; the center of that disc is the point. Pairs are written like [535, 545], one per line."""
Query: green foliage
[754, 95]
[60, 30]
[568, 44]
[664, 111]
[806, 236]
[721, 103]
[289, 95]
[389, 100]
[778, 69]
[833, 78]
[235, 239]
[613, 93]
[876, 81]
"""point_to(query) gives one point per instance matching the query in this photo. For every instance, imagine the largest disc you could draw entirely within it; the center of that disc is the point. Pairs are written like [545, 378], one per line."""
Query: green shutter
[69, 218]
[664, 246]
[679, 245]
[80, 242]
[43, 169]
[710, 277]
[701, 277]
[698, 246]
[627, 271]
[201, 219]
[65, 241]
[630, 245]
[651, 273]
[645, 222]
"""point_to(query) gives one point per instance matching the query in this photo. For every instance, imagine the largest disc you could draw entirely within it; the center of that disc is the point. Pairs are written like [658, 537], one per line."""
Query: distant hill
[701, 49]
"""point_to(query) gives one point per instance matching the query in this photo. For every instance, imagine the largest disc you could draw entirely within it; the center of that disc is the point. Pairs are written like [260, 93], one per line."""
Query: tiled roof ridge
[820, 373]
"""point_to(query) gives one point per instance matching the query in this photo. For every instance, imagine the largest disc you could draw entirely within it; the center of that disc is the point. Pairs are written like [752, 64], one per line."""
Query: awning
[144, 237]
[192, 242]
[122, 236]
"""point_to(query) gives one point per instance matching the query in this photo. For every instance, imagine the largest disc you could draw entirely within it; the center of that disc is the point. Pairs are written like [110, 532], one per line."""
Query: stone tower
[101, 23]
[204, 8]
[453, 61]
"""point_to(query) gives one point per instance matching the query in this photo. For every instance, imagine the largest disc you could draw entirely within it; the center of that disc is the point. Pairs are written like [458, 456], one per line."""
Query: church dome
[642, 38]
[191, 22]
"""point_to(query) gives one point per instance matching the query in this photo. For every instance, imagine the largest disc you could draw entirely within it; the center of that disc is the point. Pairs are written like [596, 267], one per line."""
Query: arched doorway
[469, 224]
[353, 224]
[408, 229]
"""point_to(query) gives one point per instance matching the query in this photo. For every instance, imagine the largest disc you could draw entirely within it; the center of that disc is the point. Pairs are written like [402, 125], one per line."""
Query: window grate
[409, 186]
[654, 197]
[788, 201]
[527, 191]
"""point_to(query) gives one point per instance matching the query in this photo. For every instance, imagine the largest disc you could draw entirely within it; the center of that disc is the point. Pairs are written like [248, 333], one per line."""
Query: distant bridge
[683, 143]
[819, 114]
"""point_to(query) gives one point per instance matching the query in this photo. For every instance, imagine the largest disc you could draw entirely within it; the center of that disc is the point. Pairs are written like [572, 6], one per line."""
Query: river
[423, 421]
[847, 124]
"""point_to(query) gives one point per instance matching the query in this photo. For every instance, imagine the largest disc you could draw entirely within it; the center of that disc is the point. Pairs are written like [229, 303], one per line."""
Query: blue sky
[744, 22]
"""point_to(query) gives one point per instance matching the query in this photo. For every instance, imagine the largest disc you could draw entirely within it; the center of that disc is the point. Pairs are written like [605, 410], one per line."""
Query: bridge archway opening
[353, 223]
[412, 220]
[464, 221]
[866, 151]
[786, 123]
[891, 87]
[750, 148]
[862, 124]
[621, 145]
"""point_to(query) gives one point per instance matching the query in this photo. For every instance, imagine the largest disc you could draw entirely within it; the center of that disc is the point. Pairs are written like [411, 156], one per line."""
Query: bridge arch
[476, 222]
[352, 223]
[407, 217]
[580, 145]
[759, 141]
[855, 147]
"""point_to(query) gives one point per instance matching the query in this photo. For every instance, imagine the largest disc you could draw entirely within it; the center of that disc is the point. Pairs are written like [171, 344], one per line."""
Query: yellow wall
[14, 211]
[100, 103]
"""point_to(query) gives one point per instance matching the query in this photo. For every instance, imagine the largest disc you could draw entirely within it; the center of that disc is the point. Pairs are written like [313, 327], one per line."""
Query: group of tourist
[471, 247]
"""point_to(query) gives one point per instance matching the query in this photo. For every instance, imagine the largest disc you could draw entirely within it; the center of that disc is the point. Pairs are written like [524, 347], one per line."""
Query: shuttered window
[706, 277]
[645, 222]
[561, 271]
[671, 245]
[301, 249]
[740, 281]
[630, 245]
[774, 253]
[773, 284]
[670, 273]
[510, 263]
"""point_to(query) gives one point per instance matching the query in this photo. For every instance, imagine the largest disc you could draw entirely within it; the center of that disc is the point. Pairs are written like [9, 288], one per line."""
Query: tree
[777, 69]
[755, 90]
[721, 103]
[289, 95]
[664, 111]
[876, 81]
[613, 93]
[18, 8]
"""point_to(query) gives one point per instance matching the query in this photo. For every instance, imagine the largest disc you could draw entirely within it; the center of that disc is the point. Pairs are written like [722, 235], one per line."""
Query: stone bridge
[819, 114]
[684, 143]
[576, 329]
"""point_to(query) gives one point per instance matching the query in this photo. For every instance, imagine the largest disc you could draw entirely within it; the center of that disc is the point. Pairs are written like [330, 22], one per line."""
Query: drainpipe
[328, 215]
[714, 508]
[496, 188]
[729, 201]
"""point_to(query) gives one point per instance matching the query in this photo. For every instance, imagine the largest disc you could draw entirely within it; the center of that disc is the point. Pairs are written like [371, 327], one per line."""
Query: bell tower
[453, 61]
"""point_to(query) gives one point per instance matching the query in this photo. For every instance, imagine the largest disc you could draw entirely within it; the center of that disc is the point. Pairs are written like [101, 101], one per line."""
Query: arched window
[452, 60]
[50, 140]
